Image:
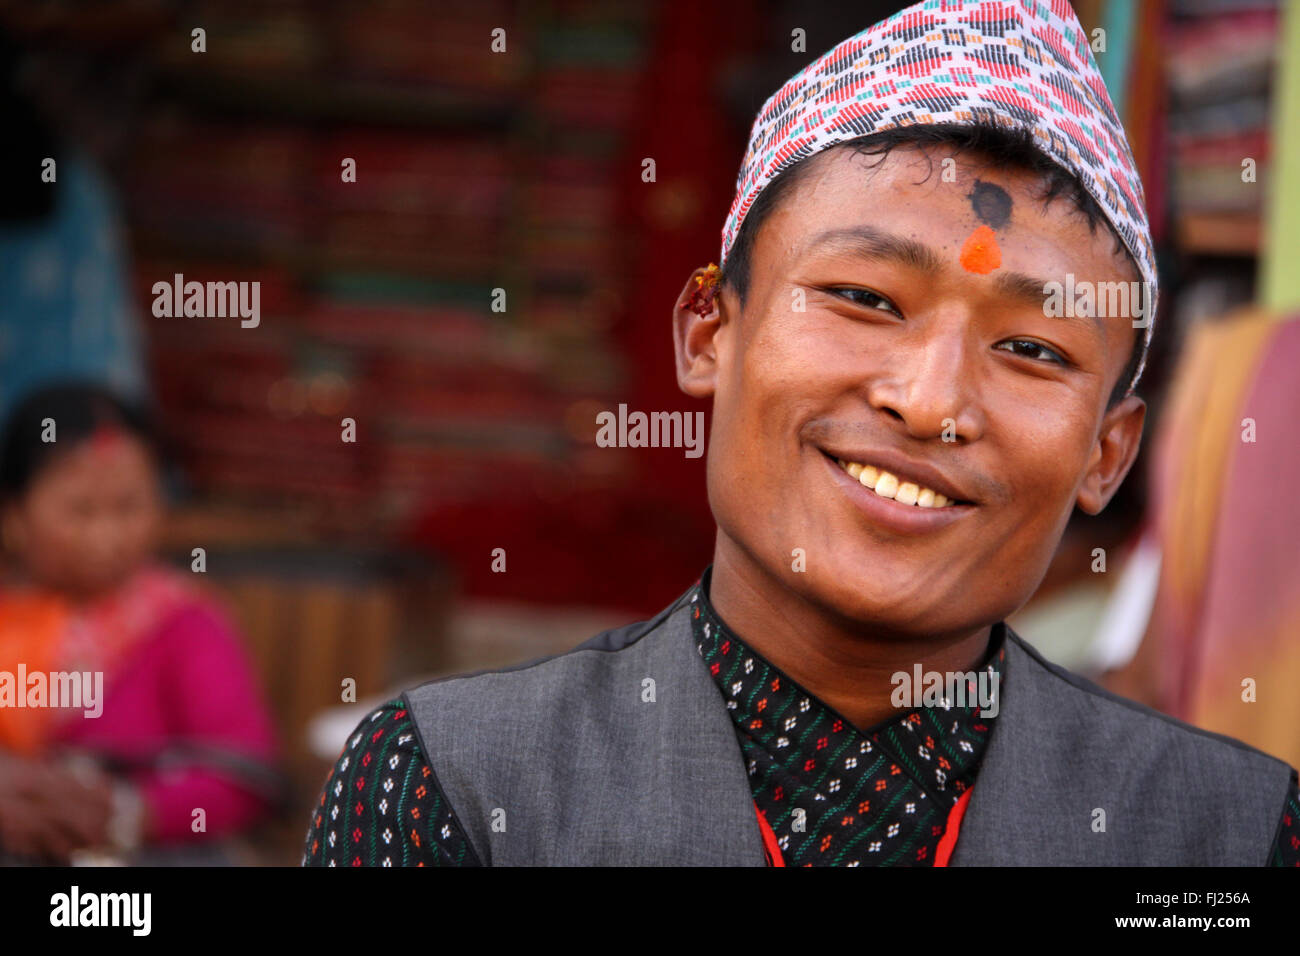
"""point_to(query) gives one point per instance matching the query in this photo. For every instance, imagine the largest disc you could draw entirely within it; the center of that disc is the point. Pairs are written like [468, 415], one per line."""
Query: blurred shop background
[373, 560]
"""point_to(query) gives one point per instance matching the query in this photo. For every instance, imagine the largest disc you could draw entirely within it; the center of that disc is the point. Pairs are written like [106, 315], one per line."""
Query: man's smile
[893, 475]
[887, 485]
[890, 499]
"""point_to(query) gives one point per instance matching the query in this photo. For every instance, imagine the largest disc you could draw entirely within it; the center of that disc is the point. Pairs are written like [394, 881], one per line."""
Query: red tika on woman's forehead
[106, 439]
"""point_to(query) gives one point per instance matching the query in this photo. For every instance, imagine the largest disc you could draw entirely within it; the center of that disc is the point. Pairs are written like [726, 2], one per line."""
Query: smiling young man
[904, 419]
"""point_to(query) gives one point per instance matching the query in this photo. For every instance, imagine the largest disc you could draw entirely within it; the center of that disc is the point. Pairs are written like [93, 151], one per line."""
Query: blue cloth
[65, 303]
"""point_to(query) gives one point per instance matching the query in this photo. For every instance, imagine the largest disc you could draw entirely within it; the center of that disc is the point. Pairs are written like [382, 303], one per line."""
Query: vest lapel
[709, 808]
[1027, 808]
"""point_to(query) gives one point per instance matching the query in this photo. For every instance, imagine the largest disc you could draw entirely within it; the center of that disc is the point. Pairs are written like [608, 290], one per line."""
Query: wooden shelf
[300, 98]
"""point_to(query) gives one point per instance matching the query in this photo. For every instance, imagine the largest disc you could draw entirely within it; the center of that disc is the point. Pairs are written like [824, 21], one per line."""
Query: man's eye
[1028, 348]
[867, 298]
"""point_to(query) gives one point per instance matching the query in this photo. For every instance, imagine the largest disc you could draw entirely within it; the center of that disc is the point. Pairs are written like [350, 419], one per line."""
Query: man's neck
[845, 666]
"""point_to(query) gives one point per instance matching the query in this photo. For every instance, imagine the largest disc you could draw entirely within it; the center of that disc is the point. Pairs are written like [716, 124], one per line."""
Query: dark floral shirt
[832, 794]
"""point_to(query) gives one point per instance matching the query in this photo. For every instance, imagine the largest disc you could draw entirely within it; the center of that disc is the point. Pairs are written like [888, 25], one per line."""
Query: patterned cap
[1020, 63]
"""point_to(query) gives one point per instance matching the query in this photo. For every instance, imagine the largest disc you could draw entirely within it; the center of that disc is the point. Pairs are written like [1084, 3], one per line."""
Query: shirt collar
[939, 745]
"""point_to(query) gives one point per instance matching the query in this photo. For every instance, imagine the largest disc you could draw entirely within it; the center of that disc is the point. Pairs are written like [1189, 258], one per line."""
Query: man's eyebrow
[868, 242]
[1017, 285]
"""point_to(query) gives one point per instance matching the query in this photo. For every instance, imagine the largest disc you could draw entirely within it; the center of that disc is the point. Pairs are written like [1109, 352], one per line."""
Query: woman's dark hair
[1005, 147]
[77, 410]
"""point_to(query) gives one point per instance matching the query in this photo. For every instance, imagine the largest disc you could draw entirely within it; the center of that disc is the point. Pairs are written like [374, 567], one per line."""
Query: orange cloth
[31, 626]
[44, 633]
[1226, 617]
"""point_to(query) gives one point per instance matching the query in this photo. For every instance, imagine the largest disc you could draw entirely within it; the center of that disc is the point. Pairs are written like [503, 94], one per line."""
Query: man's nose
[932, 385]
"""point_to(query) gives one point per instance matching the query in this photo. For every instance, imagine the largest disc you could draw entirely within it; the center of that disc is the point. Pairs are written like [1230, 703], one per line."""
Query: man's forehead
[887, 207]
[954, 174]
[901, 206]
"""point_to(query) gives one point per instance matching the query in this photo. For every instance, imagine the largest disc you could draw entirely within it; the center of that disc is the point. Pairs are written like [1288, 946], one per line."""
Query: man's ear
[1113, 454]
[693, 341]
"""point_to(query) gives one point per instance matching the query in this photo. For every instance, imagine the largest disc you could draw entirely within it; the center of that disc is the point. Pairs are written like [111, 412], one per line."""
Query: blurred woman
[182, 748]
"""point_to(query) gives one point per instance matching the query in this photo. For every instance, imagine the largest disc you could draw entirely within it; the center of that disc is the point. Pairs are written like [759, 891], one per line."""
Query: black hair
[1004, 146]
[77, 410]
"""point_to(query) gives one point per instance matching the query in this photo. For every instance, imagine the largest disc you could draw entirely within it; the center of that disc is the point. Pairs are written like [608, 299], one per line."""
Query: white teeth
[888, 486]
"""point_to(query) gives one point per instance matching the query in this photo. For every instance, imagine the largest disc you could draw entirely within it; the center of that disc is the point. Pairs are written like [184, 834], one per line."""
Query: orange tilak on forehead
[980, 252]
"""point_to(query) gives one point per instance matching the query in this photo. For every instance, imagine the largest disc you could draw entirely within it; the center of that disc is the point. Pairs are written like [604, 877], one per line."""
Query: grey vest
[567, 761]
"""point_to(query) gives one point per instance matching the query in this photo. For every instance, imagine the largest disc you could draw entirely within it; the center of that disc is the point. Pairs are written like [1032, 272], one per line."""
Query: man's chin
[886, 608]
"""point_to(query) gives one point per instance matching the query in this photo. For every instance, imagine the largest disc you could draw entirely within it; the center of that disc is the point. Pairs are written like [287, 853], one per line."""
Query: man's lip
[904, 469]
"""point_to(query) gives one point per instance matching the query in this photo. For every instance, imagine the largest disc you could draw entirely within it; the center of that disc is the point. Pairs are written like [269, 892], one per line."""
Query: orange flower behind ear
[706, 284]
[980, 252]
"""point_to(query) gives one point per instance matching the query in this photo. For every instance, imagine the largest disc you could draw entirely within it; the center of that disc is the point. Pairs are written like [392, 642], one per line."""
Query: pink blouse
[189, 687]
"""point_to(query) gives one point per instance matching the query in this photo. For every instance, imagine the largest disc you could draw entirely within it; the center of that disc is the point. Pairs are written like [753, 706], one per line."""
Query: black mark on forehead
[991, 204]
